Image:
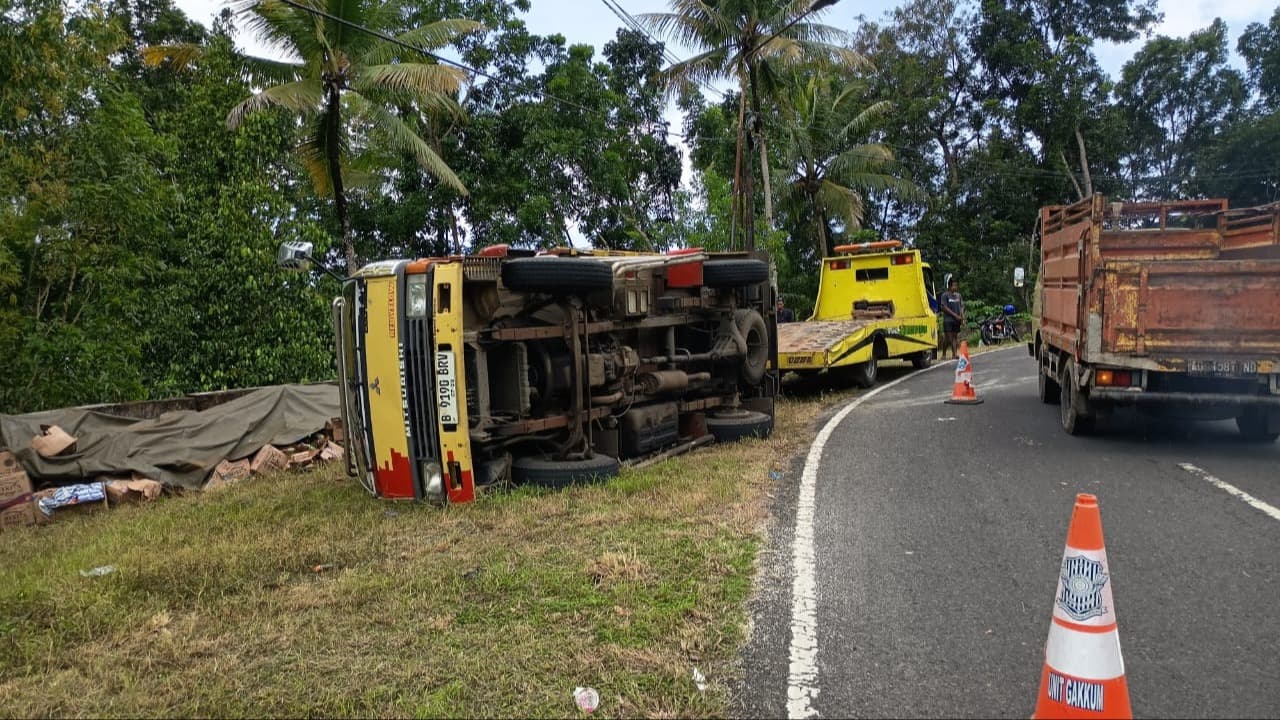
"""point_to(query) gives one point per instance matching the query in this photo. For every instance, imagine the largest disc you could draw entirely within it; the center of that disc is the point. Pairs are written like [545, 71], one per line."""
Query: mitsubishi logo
[375, 387]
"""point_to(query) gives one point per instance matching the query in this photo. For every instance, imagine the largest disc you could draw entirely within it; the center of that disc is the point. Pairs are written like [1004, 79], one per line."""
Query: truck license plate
[446, 387]
[1222, 367]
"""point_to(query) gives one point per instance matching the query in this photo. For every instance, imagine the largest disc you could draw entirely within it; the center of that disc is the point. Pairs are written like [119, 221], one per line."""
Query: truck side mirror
[294, 255]
[1019, 277]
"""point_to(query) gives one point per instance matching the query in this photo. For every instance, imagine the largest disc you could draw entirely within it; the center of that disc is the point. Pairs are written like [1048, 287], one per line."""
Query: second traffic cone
[1083, 675]
[962, 393]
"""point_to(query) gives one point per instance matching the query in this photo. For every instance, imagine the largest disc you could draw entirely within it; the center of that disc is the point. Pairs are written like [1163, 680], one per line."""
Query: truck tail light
[1118, 378]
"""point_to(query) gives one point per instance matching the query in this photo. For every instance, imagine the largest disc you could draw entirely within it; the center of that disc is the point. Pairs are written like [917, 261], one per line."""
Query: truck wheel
[1074, 421]
[733, 273]
[557, 275]
[922, 359]
[1254, 427]
[534, 470]
[864, 373]
[751, 324]
[1050, 390]
[734, 425]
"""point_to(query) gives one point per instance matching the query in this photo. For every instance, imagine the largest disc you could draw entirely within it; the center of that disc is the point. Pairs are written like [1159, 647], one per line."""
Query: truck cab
[876, 302]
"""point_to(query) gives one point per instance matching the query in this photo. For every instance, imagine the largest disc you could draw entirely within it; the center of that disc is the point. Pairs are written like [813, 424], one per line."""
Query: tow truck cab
[875, 302]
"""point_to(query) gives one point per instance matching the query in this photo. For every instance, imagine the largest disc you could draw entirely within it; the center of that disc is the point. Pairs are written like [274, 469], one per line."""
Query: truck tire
[1050, 390]
[734, 425]
[922, 359]
[756, 360]
[864, 373]
[733, 273]
[1075, 419]
[1253, 426]
[557, 275]
[544, 472]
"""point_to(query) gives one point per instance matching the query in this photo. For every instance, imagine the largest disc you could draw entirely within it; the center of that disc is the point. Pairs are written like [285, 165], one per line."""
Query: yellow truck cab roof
[872, 273]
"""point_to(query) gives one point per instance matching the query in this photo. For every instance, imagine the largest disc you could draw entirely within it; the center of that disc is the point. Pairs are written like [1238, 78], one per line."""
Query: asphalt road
[938, 531]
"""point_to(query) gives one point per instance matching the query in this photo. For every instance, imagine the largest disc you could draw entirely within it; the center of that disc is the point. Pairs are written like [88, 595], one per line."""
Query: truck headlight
[433, 480]
[416, 296]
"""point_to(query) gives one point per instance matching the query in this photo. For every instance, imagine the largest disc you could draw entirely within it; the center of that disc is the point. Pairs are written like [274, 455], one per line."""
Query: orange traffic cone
[962, 393]
[1083, 674]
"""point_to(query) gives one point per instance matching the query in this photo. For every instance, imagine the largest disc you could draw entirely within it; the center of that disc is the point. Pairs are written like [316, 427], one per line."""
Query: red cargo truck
[1173, 307]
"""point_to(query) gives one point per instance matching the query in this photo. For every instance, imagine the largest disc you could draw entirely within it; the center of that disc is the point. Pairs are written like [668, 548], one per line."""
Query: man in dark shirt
[952, 306]
[784, 313]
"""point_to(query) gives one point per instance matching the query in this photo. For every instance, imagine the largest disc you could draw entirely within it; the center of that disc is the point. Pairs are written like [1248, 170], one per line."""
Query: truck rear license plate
[798, 359]
[1222, 367]
[446, 387]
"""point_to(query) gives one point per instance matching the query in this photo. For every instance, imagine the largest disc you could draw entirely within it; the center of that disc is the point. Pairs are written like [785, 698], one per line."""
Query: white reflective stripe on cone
[1084, 655]
[1099, 600]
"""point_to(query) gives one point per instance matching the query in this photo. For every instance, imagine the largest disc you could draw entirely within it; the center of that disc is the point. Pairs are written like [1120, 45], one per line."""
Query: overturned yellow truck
[875, 302]
[547, 369]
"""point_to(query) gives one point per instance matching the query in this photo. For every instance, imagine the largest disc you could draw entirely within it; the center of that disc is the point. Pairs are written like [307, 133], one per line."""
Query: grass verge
[298, 595]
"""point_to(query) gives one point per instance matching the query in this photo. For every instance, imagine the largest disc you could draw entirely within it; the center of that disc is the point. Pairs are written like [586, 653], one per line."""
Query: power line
[446, 61]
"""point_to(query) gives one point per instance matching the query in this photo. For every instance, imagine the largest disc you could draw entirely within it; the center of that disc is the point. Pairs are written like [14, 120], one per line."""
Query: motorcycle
[998, 328]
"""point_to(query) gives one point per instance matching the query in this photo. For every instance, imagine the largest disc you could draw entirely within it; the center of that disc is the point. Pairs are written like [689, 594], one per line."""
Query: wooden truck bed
[1156, 285]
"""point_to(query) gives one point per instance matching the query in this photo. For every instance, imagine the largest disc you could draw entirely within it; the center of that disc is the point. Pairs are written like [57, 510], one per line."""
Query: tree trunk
[1063, 156]
[1084, 165]
[755, 130]
[820, 221]
[764, 178]
[333, 140]
[737, 171]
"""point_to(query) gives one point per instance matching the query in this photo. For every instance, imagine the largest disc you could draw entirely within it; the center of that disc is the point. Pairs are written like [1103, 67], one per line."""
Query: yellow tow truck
[875, 302]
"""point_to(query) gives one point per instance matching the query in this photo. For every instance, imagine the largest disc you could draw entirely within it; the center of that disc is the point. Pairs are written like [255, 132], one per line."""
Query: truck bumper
[1137, 397]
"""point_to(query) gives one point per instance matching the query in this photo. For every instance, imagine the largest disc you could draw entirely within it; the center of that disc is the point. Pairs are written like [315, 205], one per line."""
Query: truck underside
[573, 365]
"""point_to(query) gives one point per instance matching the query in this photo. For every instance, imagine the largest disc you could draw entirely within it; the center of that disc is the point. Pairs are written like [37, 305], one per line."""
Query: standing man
[952, 318]
[784, 313]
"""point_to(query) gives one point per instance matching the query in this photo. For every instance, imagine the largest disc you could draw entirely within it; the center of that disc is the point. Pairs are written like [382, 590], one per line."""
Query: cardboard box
[335, 430]
[55, 440]
[19, 515]
[227, 473]
[268, 459]
[15, 494]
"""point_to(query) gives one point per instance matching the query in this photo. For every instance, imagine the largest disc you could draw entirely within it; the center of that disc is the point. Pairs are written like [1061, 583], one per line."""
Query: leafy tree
[829, 164]
[739, 40]
[1259, 45]
[1041, 72]
[343, 85]
[1177, 93]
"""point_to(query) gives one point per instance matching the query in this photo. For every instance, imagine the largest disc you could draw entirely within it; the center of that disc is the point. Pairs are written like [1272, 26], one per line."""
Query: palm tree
[744, 40]
[346, 86]
[829, 166]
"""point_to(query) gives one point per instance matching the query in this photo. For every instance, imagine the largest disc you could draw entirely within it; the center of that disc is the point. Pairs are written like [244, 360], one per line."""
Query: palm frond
[838, 201]
[179, 56]
[420, 80]
[428, 37]
[402, 138]
[703, 68]
[865, 121]
[303, 97]
[284, 28]
[261, 71]
[313, 152]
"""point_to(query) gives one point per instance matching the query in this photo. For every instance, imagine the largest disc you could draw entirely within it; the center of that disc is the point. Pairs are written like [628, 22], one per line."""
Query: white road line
[802, 678]
[1265, 507]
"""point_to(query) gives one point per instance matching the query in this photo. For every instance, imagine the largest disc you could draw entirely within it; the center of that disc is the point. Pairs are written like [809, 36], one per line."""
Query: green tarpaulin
[178, 448]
